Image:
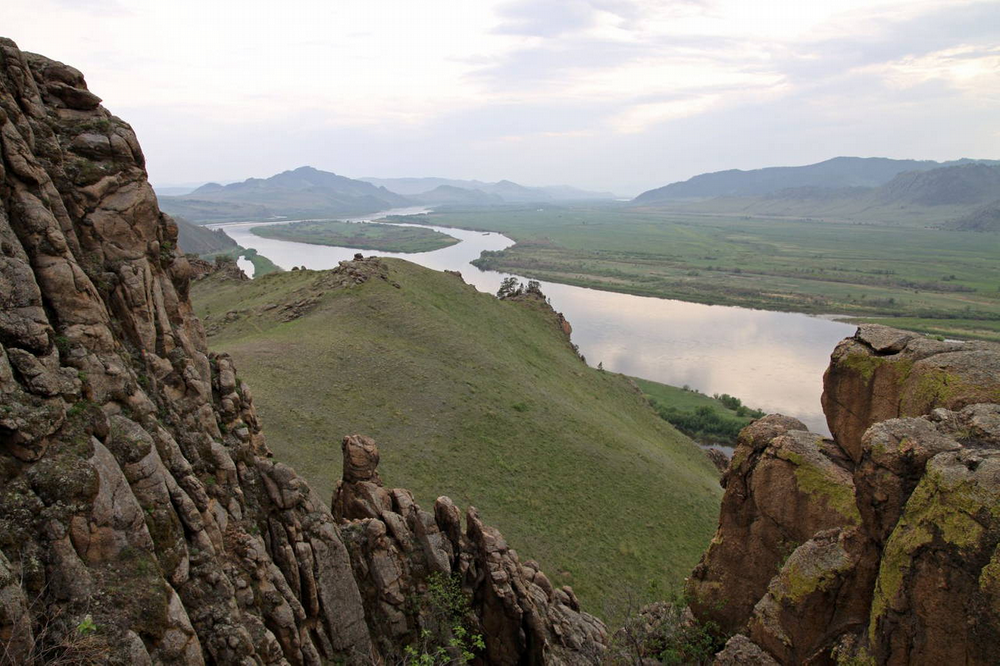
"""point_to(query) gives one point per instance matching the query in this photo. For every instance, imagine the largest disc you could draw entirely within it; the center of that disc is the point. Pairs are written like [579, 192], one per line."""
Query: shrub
[448, 637]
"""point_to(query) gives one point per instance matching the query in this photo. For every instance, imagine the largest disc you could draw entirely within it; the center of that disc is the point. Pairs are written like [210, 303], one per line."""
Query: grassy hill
[479, 399]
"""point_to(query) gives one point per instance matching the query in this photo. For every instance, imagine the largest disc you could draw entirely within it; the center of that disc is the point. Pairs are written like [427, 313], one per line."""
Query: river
[771, 360]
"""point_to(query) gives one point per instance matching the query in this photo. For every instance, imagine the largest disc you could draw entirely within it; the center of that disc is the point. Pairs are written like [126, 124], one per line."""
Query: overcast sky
[605, 94]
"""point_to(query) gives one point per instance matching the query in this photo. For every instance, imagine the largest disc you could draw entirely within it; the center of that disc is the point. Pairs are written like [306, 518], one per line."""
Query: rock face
[880, 545]
[783, 485]
[142, 519]
[881, 373]
[401, 552]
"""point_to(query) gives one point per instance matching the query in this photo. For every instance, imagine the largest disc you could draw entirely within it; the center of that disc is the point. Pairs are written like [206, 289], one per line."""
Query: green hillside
[479, 399]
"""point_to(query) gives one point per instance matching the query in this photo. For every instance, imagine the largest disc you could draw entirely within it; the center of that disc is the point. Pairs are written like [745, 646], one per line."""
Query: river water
[771, 360]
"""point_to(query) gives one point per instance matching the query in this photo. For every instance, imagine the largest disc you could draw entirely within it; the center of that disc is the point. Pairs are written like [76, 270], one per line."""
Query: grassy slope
[793, 265]
[379, 237]
[484, 401]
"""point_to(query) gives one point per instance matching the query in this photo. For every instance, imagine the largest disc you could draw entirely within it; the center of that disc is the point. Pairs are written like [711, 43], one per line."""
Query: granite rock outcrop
[879, 545]
[143, 519]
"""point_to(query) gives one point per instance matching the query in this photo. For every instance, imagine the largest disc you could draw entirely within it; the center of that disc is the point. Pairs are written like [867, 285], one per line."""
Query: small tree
[510, 286]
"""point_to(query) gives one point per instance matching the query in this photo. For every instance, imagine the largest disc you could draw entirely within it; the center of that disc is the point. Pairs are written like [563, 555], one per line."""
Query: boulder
[881, 373]
[783, 485]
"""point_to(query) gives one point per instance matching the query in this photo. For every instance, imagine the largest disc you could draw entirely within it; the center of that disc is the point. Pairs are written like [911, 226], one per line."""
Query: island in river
[360, 235]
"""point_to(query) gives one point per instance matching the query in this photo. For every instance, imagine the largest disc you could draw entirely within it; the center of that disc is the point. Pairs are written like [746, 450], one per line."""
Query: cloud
[973, 71]
[539, 19]
[604, 93]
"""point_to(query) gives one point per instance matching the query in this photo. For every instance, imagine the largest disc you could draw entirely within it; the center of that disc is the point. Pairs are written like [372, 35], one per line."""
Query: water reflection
[771, 360]
[246, 266]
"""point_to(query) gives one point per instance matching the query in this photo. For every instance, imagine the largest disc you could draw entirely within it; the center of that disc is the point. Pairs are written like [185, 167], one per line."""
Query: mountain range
[507, 191]
[839, 172]
[309, 192]
[303, 192]
[962, 195]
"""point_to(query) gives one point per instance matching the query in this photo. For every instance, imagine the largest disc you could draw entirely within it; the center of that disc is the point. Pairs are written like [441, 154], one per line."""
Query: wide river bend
[771, 360]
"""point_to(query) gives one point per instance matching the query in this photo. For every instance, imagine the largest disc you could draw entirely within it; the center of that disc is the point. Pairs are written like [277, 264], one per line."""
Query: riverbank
[928, 280]
[772, 360]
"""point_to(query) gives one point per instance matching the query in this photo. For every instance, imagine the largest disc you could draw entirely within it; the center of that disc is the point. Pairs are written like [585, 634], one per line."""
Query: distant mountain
[174, 190]
[509, 191]
[968, 184]
[196, 239]
[570, 193]
[839, 172]
[449, 194]
[955, 197]
[513, 193]
[986, 218]
[304, 192]
[410, 186]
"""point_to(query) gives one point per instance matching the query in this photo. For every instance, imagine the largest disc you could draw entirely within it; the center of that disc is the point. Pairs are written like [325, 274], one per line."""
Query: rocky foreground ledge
[142, 520]
[879, 546]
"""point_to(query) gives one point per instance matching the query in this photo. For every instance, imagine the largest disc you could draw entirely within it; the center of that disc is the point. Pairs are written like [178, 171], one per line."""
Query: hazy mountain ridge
[303, 192]
[450, 194]
[986, 218]
[310, 192]
[509, 191]
[933, 197]
[839, 172]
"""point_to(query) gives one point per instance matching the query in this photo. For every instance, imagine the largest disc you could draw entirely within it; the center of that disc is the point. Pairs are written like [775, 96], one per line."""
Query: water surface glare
[771, 360]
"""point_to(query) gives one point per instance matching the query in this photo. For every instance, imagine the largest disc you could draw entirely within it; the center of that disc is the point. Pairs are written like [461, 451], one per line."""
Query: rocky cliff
[142, 519]
[879, 546]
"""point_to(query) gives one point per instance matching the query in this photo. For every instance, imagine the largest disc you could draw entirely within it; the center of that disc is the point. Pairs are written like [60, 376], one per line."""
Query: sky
[620, 95]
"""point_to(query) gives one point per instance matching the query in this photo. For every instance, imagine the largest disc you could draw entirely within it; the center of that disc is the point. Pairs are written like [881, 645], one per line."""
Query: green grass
[484, 401]
[367, 236]
[934, 278]
[706, 419]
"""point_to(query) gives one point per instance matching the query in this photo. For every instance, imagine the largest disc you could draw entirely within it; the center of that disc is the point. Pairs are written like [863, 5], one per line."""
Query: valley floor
[929, 280]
